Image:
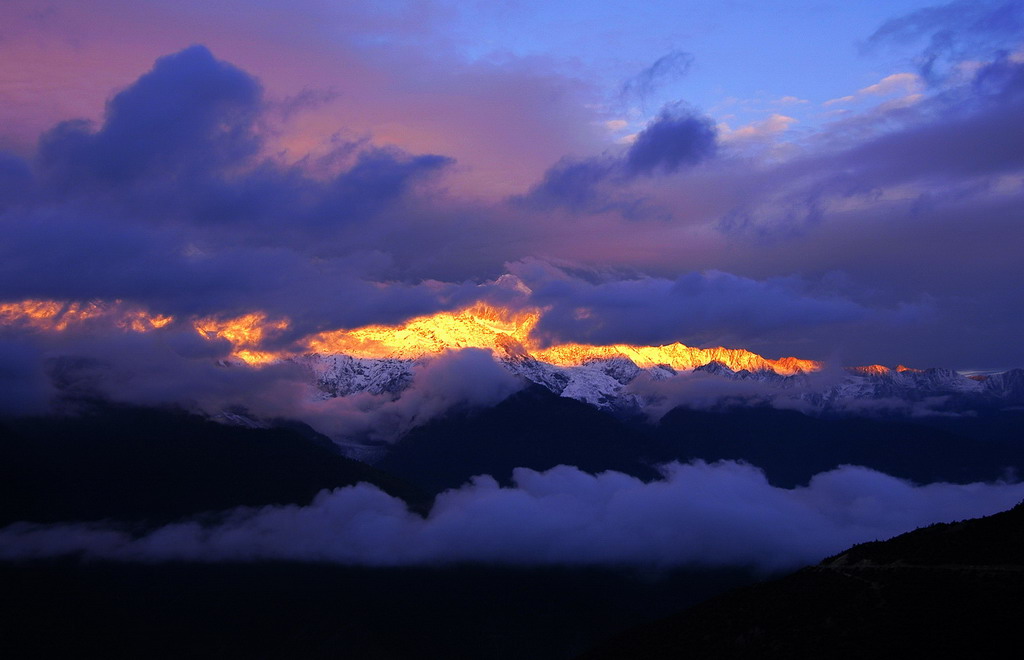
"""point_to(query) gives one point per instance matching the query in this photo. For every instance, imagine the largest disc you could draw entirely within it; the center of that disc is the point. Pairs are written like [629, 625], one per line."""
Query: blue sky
[745, 54]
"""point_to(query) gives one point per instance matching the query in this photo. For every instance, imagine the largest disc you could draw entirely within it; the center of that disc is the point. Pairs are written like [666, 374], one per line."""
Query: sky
[829, 180]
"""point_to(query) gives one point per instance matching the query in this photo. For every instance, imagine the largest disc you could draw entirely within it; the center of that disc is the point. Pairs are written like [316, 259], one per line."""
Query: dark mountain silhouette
[533, 428]
[537, 429]
[792, 447]
[948, 590]
[155, 465]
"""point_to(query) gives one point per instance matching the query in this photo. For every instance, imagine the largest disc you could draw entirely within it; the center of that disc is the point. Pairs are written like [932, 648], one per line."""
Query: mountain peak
[509, 334]
[870, 370]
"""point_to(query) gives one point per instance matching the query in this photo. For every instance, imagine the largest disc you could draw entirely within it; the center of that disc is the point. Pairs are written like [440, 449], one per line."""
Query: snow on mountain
[603, 382]
[1008, 385]
[383, 360]
[341, 375]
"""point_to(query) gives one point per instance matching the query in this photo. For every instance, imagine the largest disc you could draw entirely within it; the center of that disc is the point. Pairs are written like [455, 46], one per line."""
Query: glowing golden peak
[678, 356]
[900, 368]
[503, 331]
[480, 326]
[871, 370]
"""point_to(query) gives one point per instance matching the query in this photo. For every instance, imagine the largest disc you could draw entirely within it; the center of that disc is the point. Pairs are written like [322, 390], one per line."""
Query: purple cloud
[694, 308]
[724, 514]
[678, 138]
[191, 114]
[954, 31]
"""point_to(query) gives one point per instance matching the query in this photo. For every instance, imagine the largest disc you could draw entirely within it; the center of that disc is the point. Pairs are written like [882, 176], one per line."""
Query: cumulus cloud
[723, 514]
[191, 112]
[678, 138]
[183, 145]
[574, 183]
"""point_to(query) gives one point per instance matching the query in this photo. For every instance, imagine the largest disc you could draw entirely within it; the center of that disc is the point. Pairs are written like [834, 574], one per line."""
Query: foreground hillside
[51, 609]
[949, 589]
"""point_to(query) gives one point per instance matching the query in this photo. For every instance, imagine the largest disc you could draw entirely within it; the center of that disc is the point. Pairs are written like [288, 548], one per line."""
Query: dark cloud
[955, 31]
[191, 114]
[725, 514]
[161, 269]
[182, 145]
[378, 177]
[678, 138]
[666, 69]
[307, 99]
[16, 181]
[574, 183]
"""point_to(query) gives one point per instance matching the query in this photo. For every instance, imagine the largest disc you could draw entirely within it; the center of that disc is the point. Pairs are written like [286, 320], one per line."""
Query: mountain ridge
[946, 590]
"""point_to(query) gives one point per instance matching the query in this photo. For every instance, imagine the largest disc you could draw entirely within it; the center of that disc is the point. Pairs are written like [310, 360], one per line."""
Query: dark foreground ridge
[155, 466]
[73, 609]
[954, 590]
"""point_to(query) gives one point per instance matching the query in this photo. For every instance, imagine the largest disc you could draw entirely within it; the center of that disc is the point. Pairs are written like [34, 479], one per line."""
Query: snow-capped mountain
[383, 361]
[341, 375]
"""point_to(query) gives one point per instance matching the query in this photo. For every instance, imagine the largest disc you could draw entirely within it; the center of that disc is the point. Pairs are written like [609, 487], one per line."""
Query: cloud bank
[44, 373]
[723, 514]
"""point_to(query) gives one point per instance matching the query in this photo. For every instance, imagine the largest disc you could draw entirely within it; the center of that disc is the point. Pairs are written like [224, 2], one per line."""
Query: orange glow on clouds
[502, 331]
[245, 333]
[51, 315]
